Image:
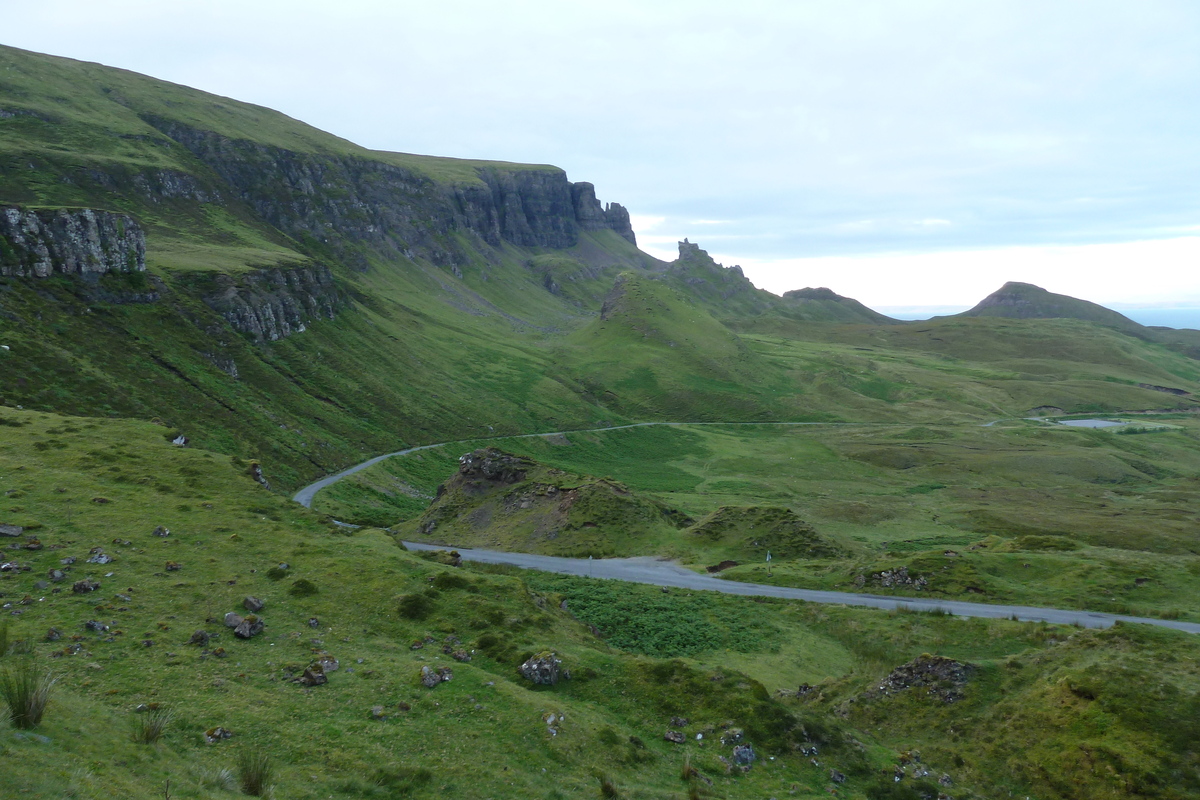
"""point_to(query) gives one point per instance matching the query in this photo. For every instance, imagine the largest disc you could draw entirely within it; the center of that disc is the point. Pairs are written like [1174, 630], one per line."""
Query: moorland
[206, 305]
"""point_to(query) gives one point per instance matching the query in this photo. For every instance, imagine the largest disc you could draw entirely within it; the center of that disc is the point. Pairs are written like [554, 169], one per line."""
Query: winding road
[658, 572]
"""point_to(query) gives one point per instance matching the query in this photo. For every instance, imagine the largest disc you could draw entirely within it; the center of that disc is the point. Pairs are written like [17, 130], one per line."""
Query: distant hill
[1016, 300]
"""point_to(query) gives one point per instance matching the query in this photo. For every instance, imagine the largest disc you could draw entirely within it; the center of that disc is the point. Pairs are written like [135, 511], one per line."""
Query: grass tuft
[26, 691]
[254, 772]
[149, 727]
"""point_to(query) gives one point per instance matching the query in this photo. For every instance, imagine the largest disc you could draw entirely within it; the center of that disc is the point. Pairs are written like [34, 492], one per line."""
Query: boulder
[253, 604]
[217, 734]
[11, 530]
[249, 627]
[233, 619]
[161, 531]
[942, 677]
[836, 776]
[200, 637]
[674, 736]
[56, 575]
[431, 677]
[84, 586]
[544, 669]
[314, 675]
[744, 755]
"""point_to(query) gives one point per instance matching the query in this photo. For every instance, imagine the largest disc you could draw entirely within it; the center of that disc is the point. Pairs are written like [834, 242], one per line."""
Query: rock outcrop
[43, 242]
[344, 202]
[272, 304]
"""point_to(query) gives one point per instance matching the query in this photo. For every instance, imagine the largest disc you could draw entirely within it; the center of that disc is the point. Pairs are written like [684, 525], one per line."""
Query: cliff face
[273, 304]
[39, 243]
[345, 202]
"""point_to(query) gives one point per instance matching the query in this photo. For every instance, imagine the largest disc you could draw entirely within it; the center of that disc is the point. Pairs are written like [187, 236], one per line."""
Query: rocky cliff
[39, 243]
[345, 203]
[273, 304]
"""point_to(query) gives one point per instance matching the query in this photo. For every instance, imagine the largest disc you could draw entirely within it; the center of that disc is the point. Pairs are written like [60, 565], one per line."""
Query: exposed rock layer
[273, 304]
[40, 243]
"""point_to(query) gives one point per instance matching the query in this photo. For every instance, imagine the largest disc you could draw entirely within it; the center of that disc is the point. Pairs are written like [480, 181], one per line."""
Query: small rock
[233, 619]
[68, 561]
[34, 544]
[100, 558]
[53, 635]
[744, 755]
[674, 736]
[313, 622]
[161, 531]
[377, 713]
[173, 566]
[461, 655]
[84, 586]
[41, 585]
[147, 643]
[403, 706]
[544, 669]
[95, 627]
[329, 663]
[249, 627]
[731, 736]
[56, 575]
[214, 735]
[253, 605]
[200, 637]
[11, 530]
[432, 677]
[313, 675]
[679, 722]
[836, 776]
[945, 780]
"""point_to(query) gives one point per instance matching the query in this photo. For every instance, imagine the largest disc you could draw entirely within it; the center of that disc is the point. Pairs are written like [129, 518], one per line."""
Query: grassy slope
[226, 532]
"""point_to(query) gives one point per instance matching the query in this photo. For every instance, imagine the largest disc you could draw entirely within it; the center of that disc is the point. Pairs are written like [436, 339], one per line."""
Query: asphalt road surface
[658, 572]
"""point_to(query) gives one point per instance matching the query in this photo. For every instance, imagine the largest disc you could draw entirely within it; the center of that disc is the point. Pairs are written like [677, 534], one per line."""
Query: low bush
[254, 772]
[26, 692]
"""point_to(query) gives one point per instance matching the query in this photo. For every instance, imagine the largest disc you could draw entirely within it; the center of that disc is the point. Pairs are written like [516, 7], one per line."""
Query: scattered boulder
[899, 577]
[95, 626]
[233, 619]
[314, 675]
[744, 756]
[173, 566]
[313, 622]
[491, 464]
[68, 561]
[11, 530]
[162, 531]
[217, 734]
[53, 635]
[56, 575]
[943, 678]
[99, 557]
[674, 736]
[253, 605]
[84, 586]
[200, 637]
[432, 677]
[34, 544]
[328, 663]
[544, 669]
[378, 713]
[249, 627]
[461, 655]
[836, 776]
[679, 722]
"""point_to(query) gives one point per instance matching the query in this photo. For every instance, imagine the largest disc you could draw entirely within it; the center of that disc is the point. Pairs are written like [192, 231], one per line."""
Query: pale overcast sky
[904, 152]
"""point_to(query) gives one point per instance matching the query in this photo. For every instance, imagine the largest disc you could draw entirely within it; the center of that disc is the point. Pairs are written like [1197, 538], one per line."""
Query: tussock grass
[26, 691]
[149, 727]
[255, 772]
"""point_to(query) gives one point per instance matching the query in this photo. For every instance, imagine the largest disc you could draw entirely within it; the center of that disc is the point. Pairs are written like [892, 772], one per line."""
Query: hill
[1016, 300]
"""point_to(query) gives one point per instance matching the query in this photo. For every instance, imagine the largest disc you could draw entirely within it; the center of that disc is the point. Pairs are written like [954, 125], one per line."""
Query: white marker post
[768, 563]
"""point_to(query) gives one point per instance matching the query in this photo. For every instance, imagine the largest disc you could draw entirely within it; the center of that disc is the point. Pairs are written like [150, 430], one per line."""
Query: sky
[913, 154]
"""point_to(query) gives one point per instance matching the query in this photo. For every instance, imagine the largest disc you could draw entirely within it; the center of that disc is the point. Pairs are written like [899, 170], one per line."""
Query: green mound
[508, 502]
[749, 533]
[1025, 301]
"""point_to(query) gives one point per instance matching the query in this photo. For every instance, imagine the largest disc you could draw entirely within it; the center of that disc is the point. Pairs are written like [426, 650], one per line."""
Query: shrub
[415, 606]
[149, 727]
[303, 588]
[26, 691]
[254, 772]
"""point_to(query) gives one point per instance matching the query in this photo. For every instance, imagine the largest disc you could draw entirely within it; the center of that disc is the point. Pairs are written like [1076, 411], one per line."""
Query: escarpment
[42, 242]
[272, 304]
[342, 203]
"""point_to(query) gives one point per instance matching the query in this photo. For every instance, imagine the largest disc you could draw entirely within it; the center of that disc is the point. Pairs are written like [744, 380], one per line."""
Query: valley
[208, 308]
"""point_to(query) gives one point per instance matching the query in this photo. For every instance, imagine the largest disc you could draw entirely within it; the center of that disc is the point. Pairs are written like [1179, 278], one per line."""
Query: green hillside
[205, 304]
